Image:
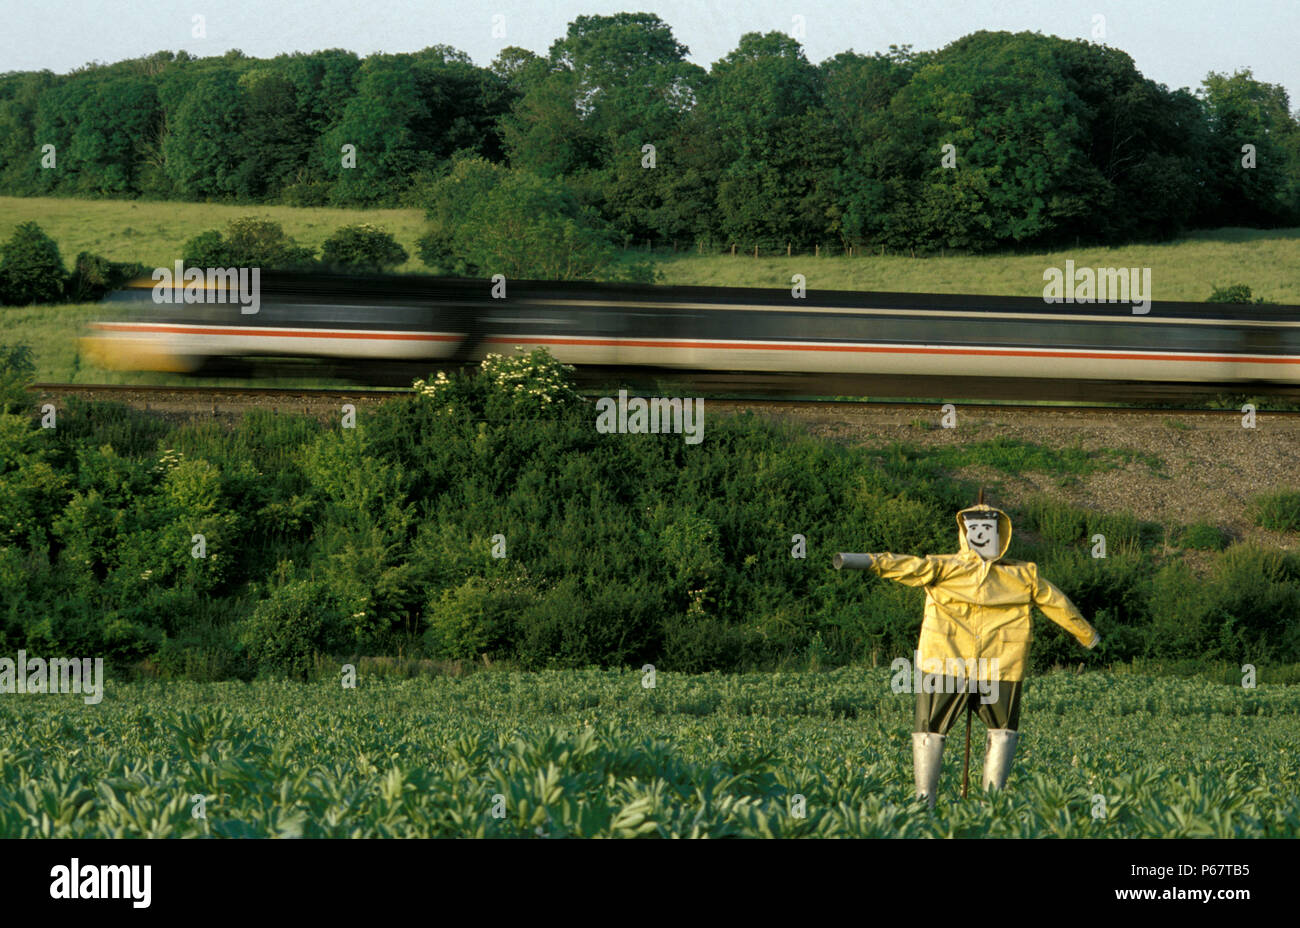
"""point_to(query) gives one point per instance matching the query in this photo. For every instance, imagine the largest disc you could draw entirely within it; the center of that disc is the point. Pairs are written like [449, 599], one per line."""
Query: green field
[1268, 261]
[154, 232]
[571, 753]
[1189, 269]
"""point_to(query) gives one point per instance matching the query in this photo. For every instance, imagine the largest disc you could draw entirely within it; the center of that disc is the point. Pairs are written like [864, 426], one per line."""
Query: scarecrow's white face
[982, 536]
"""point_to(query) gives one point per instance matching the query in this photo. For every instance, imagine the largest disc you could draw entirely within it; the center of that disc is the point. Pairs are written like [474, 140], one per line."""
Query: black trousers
[938, 712]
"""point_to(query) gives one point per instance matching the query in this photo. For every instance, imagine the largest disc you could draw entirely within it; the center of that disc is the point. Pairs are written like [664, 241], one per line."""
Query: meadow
[596, 753]
[1266, 260]
[152, 232]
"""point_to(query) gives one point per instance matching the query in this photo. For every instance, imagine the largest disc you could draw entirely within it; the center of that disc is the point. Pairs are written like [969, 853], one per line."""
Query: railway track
[151, 396]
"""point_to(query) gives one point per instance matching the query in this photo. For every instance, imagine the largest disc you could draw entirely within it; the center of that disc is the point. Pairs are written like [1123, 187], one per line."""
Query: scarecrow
[974, 639]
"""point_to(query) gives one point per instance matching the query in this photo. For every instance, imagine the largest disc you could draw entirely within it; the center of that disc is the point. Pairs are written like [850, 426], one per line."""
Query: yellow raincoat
[977, 609]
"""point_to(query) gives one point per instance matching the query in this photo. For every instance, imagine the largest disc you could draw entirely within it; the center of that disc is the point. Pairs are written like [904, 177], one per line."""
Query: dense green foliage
[488, 220]
[1235, 293]
[248, 242]
[1051, 139]
[1203, 536]
[586, 753]
[362, 247]
[94, 275]
[618, 549]
[1277, 511]
[31, 270]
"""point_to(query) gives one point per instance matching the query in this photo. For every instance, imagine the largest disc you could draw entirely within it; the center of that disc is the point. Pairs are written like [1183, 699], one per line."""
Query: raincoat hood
[1004, 530]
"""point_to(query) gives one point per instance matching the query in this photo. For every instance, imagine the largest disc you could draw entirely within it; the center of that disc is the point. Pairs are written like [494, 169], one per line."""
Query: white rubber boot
[998, 754]
[927, 759]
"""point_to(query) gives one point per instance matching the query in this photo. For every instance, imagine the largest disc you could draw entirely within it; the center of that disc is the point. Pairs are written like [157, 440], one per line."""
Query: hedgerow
[483, 518]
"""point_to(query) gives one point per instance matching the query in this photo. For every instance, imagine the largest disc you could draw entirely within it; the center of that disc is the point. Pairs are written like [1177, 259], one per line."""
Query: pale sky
[1175, 42]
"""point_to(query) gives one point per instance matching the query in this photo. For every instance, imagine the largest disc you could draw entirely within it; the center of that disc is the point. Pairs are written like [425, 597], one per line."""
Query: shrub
[248, 242]
[17, 369]
[287, 629]
[1234, 293]
[207, 249]
[31, 270]
[362, 247]
[1203, 537]
[506, 386]
[1060, 524]
[1277, 512]
[94, 275]
[476, 617]
[1112, 593]
[306, 193]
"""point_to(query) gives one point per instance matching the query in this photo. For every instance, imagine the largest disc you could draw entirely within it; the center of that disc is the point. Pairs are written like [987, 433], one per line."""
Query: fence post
[733, 249]
[817, 250]
[755, 251]
[787, 249]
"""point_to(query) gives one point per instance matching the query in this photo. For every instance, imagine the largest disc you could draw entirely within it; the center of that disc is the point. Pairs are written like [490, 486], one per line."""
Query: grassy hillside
[1189, 269]
[154, 232]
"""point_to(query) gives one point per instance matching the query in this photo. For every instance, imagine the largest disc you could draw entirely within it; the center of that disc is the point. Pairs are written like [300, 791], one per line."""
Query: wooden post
[755, 251]
[787, 249]
[965, 774]
[733, 249]
[817, 250]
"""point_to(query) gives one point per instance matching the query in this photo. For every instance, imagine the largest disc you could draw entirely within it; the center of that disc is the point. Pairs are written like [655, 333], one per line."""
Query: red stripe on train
[753, 346]
[786, 346]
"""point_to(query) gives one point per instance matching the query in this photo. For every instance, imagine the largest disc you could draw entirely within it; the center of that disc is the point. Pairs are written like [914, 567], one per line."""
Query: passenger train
[391, 328]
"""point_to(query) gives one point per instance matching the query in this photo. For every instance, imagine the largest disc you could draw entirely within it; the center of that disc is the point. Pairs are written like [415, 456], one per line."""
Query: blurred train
[388, 329]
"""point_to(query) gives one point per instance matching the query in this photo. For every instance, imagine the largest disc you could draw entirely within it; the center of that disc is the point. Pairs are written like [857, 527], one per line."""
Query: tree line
[996, 140]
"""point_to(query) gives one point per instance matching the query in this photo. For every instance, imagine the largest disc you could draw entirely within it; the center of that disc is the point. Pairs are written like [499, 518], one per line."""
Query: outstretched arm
[1057, 607]
[905, 568]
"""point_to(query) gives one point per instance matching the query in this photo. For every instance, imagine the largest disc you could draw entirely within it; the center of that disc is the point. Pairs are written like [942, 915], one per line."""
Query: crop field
[596, 753]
